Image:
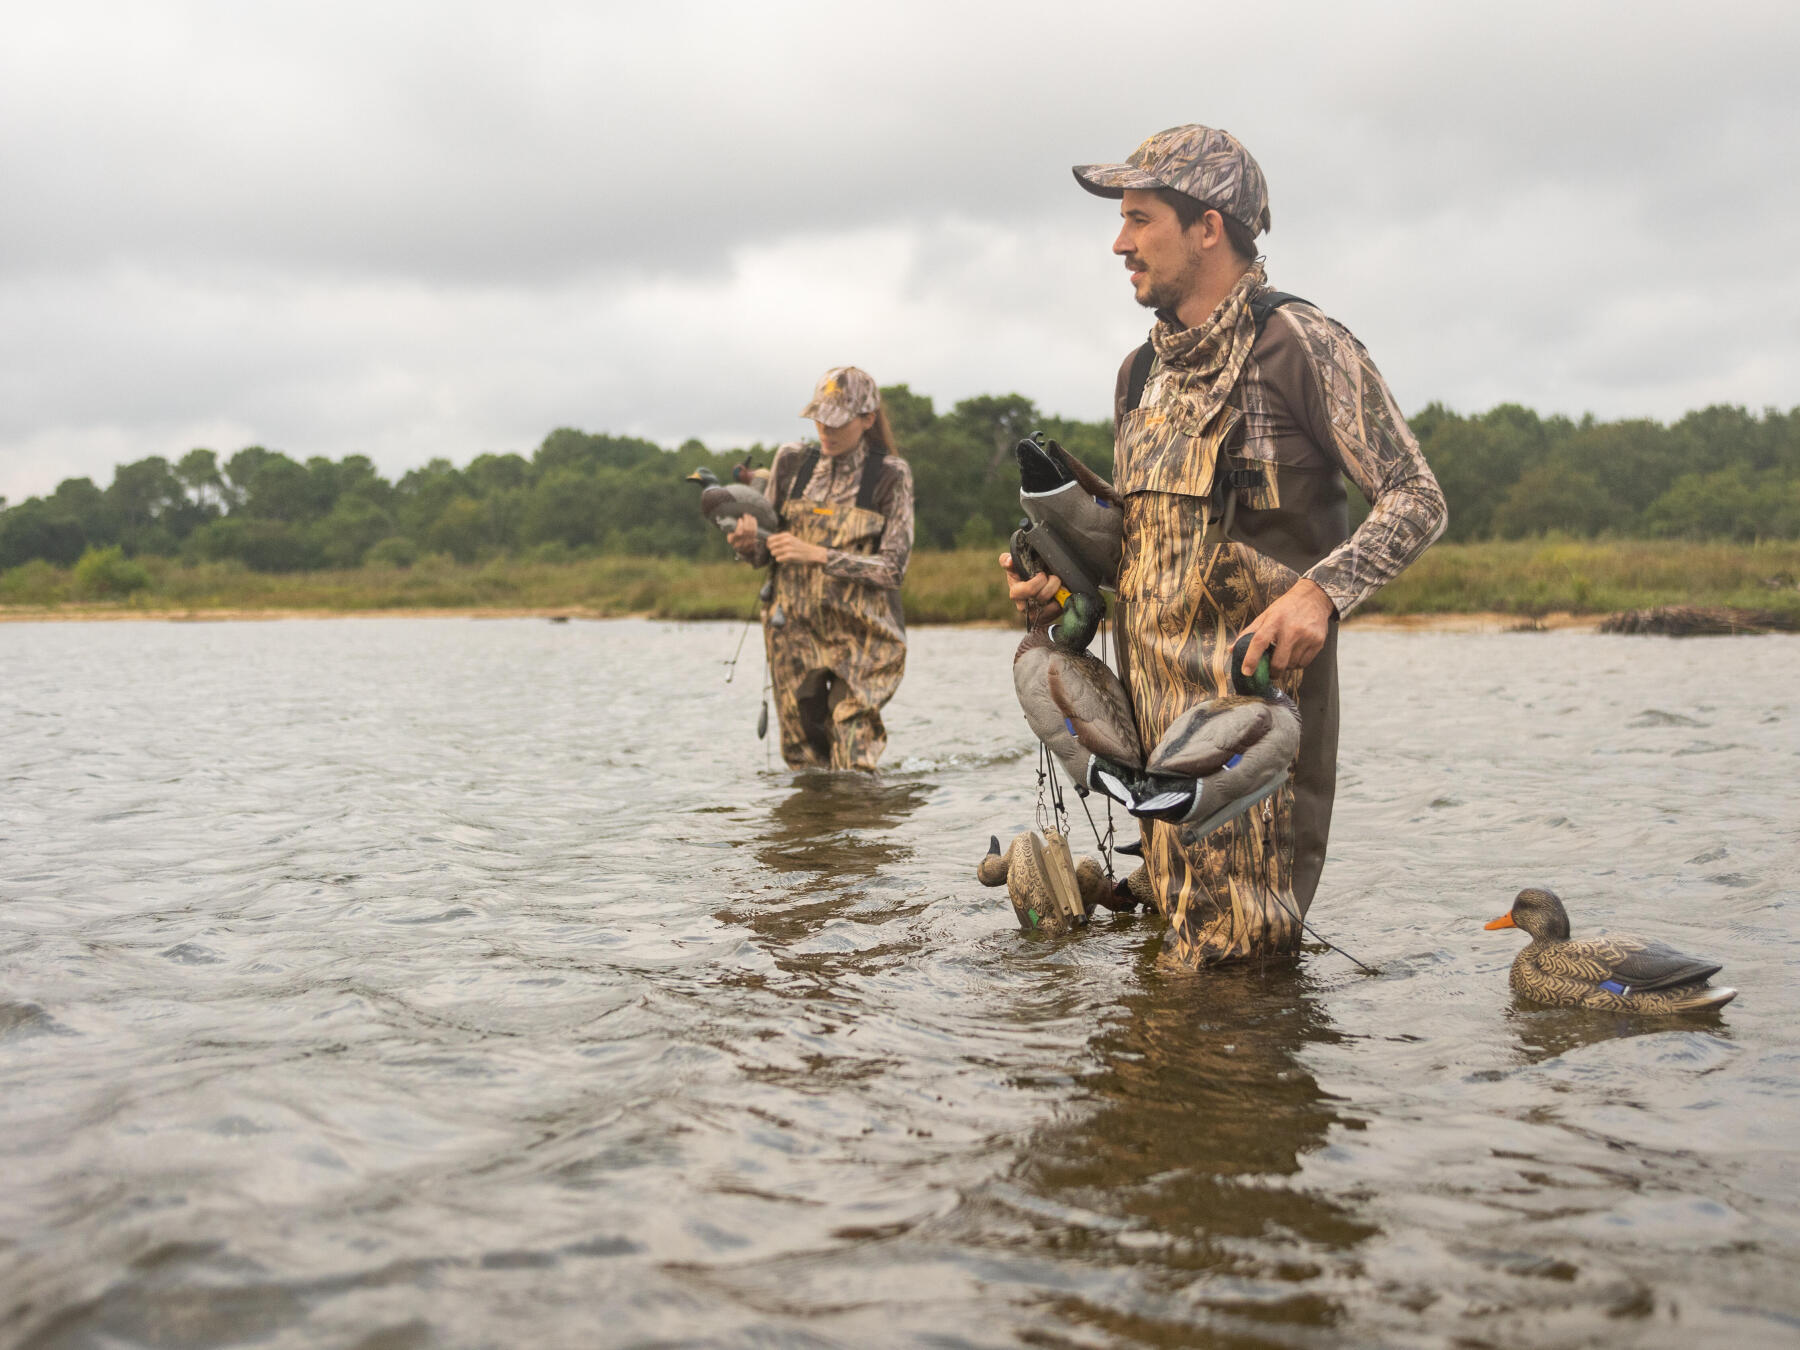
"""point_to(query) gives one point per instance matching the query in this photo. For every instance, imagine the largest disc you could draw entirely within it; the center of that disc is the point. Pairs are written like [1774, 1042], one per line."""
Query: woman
[835, 636]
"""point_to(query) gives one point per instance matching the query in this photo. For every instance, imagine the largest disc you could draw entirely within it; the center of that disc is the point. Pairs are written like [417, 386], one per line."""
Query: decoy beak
[1504, 921]
[695, 477]
[993, 846]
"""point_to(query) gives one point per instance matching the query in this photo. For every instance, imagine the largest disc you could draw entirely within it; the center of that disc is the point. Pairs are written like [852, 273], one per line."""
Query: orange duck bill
[1504, 921]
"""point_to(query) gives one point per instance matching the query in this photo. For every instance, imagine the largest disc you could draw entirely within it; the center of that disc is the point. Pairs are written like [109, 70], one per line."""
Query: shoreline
[1482, 621]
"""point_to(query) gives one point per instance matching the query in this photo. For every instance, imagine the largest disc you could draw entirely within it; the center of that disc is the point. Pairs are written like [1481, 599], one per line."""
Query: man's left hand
[785, 548]
[1292, 630]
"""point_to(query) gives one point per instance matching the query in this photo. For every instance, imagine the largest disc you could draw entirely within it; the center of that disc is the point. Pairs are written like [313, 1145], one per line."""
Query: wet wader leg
[787, 676]
[812, 709]
[1227, 894]
[858, 734]
[1315, 775]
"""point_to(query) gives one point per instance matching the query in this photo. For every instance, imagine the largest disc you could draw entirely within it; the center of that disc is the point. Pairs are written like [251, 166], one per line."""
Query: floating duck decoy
[1616, 974]
[1073, 530]
[1049, 893]
[724, 503]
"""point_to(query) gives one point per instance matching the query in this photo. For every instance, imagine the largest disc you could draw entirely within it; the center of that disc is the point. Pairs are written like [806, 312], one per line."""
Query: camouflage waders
[1202, 535]
[839, 654]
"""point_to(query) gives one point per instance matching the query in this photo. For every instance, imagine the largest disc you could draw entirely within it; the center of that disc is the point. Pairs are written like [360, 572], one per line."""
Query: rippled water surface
[450, 983]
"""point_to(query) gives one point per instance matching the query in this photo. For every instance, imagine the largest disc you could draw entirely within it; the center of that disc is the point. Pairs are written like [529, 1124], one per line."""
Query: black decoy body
[1614, 973]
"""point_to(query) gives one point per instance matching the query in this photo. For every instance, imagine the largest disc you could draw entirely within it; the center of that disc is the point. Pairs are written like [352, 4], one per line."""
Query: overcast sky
[436, 229]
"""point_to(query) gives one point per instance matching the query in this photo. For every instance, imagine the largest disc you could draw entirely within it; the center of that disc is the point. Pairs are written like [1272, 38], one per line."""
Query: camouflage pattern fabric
[840, 649]
[1227, 894]
[1208, 165]
[843, 392]
[1186, 416]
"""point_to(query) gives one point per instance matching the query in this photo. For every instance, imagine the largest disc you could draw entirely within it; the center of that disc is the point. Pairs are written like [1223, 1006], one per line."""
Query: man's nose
[1122, 245]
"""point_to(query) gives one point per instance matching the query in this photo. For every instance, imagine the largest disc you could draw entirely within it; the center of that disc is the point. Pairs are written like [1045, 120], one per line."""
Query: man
[1234, 427]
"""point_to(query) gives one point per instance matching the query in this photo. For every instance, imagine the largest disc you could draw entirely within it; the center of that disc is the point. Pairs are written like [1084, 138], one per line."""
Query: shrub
[103, 572]
[394, 551]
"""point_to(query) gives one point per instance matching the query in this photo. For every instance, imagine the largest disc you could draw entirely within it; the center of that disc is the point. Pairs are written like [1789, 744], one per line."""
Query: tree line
[1721, 472]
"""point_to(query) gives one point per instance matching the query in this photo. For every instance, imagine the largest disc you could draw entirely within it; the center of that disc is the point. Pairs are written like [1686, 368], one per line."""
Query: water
[392, 984]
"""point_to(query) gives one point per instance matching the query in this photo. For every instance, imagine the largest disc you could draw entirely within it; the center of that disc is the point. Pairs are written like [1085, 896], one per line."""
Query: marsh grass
[1526, 577]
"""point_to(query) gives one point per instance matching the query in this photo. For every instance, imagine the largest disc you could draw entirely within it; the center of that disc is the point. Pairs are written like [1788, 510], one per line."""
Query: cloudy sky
[418, 229]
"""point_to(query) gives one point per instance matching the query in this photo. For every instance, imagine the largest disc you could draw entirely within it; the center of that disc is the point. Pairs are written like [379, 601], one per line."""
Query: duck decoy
[1049, 892]
[1215, 761]
[749, 475]
[1073, 530]
[724, 503]
[1074, 704]
[1613, 973]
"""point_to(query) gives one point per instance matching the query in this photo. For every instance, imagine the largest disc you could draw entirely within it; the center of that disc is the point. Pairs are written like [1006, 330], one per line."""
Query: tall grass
[1528, 578]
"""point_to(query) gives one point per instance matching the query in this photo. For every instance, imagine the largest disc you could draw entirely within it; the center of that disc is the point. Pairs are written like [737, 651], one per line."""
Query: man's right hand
[743, 534]
[1030, 597]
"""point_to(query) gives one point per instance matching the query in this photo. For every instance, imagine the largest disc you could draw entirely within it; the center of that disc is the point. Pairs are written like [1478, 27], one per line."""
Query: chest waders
[838, 653]
[1201, 560]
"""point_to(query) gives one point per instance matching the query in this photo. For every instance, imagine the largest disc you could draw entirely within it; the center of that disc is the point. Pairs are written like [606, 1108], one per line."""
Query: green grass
[1528, 578]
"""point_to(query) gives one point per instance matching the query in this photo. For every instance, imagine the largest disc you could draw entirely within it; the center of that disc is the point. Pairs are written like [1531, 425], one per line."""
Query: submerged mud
[437, 982]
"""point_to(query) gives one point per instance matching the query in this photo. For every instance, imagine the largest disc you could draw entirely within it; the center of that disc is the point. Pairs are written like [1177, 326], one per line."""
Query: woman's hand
[743, 534]
[785, 548]
[1030, 597]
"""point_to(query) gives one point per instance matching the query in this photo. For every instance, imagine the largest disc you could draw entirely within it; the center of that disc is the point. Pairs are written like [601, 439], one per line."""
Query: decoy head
[744, 473]
[1537, 910]
[704, 476]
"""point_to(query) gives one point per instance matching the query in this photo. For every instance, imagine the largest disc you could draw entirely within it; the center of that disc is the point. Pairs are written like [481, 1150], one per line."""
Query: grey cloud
[411, 229]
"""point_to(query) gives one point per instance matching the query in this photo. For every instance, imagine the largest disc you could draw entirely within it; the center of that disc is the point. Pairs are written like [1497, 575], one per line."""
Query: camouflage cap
[1208, 165]
[843, 392]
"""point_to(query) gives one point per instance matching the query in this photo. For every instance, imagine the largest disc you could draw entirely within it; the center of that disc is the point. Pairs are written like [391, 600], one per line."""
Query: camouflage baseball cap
[1211, 166]
[843, 392]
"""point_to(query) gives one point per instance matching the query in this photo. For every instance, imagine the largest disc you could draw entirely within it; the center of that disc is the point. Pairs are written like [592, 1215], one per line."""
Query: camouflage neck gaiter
[1203, 363]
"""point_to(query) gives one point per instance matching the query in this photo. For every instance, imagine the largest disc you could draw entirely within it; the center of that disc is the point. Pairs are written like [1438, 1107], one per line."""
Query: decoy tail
[991, 870]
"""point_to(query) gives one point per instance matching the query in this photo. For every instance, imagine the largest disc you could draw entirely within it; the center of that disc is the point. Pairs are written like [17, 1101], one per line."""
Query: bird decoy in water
[1612, 973]
[1049, 893]
[724, 503]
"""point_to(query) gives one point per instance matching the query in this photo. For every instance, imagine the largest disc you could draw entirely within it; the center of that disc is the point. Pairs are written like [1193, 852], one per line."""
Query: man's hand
[1292, 630]
[785, 548]
[1029, 597]
[743, 534]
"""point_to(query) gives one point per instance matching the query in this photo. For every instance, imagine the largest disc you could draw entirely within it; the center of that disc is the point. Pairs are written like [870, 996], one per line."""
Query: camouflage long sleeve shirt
[1310, 389]
[835, 482]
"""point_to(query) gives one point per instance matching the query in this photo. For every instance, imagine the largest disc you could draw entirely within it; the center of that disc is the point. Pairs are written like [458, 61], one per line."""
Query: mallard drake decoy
[1049, 893]
[1074, 704]
[1214, 762]
[724, 503]
[1617, 974]
[1073, 530]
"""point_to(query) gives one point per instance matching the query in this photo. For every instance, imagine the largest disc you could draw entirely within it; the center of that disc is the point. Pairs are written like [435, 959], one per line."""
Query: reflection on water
[1196, 1118]
[435, 983]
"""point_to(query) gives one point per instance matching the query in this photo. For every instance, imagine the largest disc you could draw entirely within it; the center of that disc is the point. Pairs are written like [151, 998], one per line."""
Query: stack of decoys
[1611, 972]
[1212, 763]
